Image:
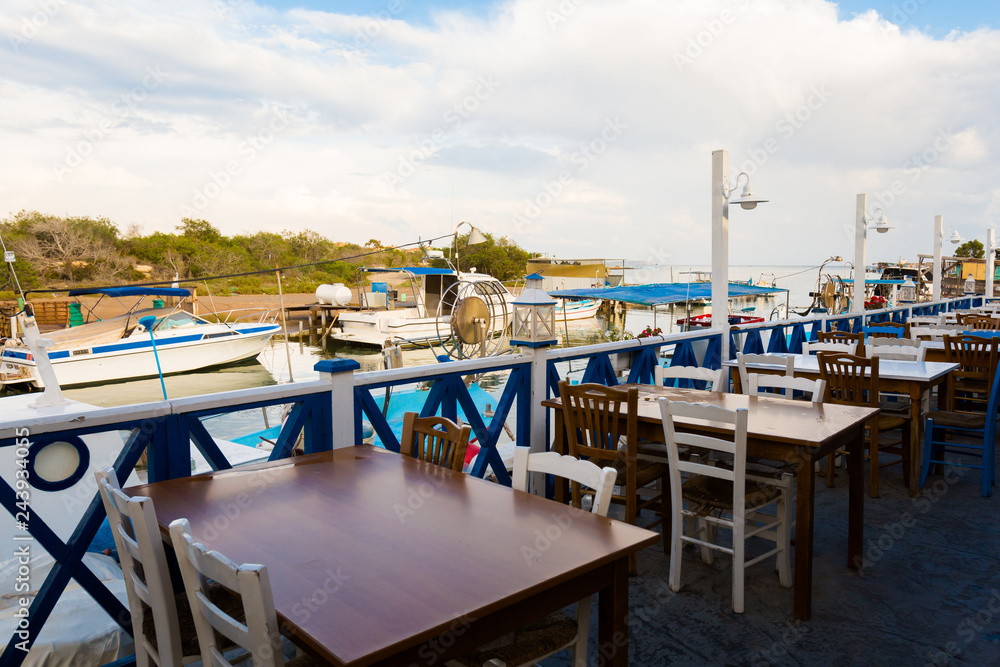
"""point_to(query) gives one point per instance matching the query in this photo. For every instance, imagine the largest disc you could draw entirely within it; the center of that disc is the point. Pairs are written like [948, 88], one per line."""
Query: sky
[578, 128]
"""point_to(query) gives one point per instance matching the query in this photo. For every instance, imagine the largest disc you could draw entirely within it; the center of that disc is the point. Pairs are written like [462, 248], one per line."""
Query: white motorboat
[441, 304]
[576, 309]
[120, 348]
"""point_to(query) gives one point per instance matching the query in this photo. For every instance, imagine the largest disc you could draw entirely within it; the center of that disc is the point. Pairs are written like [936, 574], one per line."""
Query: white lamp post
[861, 220]
[991, 250]
[475, 238]
[955, 238]
[721, 189]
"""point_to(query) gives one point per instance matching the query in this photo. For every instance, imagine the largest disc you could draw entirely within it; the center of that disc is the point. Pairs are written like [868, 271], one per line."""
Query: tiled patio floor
[929, 593]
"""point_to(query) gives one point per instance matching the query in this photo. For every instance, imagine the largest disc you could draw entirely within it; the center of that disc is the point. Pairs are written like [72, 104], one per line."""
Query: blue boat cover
[415, 270]
[661, 293]
[128, 290]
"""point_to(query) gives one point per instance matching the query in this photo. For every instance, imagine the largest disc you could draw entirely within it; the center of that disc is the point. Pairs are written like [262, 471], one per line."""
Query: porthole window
[57, 464]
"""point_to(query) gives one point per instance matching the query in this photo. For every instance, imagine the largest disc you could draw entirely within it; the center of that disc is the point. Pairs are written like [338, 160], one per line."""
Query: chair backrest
[759, 383]
[936, 333]
[260, 634]
[850, 379]
[712, 379]
[788, 362]
[976, 355]
[839, 337]
[922, 320]
[585, 473]
[597, 419]
[898, 352]
[814, 348]
[880, 342]
[734, 421]
[982, 323]
[144, 567]
[437, 440]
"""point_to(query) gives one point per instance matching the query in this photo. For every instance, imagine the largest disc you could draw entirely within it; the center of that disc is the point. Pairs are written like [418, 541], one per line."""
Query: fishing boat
[121, 348]
[581, 309]
[439, 305]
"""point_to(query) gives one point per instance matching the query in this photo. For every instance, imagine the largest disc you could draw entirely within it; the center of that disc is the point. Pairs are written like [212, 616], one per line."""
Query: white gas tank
[335, 295]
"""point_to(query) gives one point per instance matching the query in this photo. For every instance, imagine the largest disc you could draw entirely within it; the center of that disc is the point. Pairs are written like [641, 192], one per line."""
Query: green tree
[972, 249]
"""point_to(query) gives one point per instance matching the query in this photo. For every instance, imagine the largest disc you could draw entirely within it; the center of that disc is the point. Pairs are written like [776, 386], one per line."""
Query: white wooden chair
[259, 635]
[926, 320]
[936, 333]
[714, 491]
[147, 579]
[788, 362]
[759, 383]
[813, 347]
[714, 379]
[556, 631]
[898, 352]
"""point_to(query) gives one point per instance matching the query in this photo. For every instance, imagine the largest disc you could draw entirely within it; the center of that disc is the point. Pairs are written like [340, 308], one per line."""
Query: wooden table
[912, 378]
[781, 430]
[376, 557]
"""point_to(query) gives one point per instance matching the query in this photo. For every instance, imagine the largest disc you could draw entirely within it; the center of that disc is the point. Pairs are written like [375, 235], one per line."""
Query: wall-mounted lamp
[747, 199]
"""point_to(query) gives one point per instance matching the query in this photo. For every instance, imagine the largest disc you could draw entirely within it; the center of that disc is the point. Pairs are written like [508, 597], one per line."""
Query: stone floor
[928, 594]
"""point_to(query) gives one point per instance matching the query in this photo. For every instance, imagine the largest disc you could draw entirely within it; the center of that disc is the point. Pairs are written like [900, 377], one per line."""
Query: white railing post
[340, 374]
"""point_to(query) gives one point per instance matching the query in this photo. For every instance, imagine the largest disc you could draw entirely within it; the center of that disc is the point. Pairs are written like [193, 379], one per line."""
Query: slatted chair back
[260, 635]
[584, 473]
[840, 337]
[437, 440]
[144, 566]
[936, 333]
[760, 384]
[880, 342]
[710, 379]
[594, 427]
[850, 379]
[925, 320]
[787, 362]
[983, 323]
[815, 348]
[975, 355]
[898, 352]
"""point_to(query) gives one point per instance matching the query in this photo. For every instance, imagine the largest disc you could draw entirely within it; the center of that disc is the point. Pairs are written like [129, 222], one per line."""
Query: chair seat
[526, 644]
[889, 421]
[957, 419]
[975, 385]
[223, 599]
[645, 472]
[653, 448]
[301, 661]
[711, 493]
[894, 404]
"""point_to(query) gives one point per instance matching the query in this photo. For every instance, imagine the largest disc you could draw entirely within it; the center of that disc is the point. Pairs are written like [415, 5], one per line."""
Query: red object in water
[706, 320]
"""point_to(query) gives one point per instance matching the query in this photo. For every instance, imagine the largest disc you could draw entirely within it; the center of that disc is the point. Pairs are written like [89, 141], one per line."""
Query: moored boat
[121, 348]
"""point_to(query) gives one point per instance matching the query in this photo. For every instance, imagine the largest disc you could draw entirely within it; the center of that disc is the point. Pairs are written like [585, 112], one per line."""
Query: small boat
[576, 309]
[441, 304]
[120, 348]
[705, 320]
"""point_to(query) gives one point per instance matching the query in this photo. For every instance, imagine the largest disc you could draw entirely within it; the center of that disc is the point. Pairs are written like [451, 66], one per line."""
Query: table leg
[804, 501]
[612, 646]
[916, 429]
[856, 498]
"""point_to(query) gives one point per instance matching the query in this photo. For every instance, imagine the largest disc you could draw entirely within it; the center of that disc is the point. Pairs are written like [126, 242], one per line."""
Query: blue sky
[934, 17]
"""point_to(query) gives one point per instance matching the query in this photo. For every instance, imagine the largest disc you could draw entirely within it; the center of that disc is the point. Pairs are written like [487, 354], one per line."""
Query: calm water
[272, 366]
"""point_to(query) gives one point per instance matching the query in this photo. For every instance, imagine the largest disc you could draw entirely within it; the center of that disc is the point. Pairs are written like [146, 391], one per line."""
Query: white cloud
[480, 114]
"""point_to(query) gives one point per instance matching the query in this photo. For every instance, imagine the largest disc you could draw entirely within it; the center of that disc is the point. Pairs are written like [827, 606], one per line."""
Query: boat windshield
[176, 320]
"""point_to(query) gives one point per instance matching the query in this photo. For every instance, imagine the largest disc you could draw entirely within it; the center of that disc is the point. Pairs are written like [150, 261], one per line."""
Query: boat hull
[577, 310]
[133, 357]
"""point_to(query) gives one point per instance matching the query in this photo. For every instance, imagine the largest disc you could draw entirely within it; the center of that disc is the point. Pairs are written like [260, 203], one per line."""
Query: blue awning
[661, 293]
[132, 291]
[415, 270]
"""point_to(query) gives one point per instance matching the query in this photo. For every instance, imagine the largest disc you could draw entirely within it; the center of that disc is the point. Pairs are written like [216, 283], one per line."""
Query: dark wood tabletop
[372, 555]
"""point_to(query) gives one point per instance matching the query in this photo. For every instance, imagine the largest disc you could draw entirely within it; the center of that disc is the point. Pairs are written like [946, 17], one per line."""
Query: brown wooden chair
[598, 429]
[436, 440]
[853, 380]
[969, 386]
[843, 337]
[982, 323]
